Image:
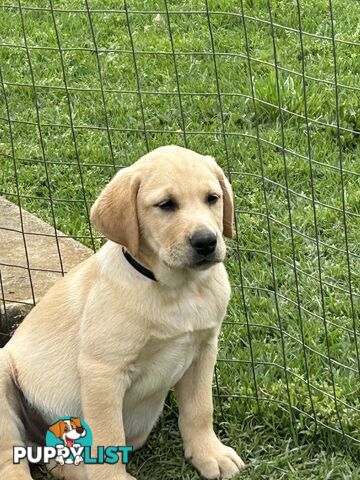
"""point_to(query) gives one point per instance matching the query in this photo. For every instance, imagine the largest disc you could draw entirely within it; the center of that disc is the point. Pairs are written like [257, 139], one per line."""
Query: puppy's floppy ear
[115, 213]
[228, 206]
[228, 201]
[57, 428]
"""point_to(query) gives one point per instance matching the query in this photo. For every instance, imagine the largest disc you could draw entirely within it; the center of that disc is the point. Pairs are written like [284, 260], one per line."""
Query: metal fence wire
[271, 90]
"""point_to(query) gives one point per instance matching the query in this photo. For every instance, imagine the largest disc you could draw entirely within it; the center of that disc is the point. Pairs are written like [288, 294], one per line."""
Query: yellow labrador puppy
[142, 315]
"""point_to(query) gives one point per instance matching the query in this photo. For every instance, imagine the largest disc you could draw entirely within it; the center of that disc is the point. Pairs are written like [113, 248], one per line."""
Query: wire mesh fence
[271, 90]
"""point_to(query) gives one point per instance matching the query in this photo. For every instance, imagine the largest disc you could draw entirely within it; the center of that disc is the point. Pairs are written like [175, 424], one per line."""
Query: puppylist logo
[68, 441]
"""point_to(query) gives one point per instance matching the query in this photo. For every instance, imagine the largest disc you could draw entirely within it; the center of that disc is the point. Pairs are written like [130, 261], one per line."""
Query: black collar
[140, 268]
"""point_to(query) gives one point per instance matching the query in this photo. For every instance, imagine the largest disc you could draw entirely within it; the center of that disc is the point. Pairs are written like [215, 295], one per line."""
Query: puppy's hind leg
[11, 428]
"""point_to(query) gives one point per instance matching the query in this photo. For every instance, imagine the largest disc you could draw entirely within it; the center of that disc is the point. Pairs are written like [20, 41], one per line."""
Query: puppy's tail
[11, 428]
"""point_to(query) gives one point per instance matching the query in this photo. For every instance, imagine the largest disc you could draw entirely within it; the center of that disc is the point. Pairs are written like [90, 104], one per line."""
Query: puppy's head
[173, 203]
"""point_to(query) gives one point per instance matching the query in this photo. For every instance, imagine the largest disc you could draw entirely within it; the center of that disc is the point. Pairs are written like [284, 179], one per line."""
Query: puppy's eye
[66, 429]
[212, 198]
[167, 205]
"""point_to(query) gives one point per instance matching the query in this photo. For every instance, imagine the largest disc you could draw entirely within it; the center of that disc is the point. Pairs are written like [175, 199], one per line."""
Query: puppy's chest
[163, 362]
[195, 313]
[177, 330]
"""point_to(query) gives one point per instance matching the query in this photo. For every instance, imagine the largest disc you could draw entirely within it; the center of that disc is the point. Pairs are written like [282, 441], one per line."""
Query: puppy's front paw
[213, 459]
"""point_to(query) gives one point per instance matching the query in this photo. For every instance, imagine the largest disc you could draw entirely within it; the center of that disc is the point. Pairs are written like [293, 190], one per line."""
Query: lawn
[91, 86]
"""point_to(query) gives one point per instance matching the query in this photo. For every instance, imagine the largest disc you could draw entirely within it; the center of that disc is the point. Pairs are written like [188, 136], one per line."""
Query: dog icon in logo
[68, 431]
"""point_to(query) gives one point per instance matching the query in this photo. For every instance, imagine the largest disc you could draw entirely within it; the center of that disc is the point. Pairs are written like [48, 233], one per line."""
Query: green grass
[264, 323]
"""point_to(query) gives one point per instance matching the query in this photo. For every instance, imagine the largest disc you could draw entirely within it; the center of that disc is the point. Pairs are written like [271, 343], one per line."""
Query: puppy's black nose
[80, 429]
[203, 241]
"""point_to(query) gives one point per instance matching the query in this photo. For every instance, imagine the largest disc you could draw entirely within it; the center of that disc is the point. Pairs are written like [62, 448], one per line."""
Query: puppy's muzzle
[203, 243]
